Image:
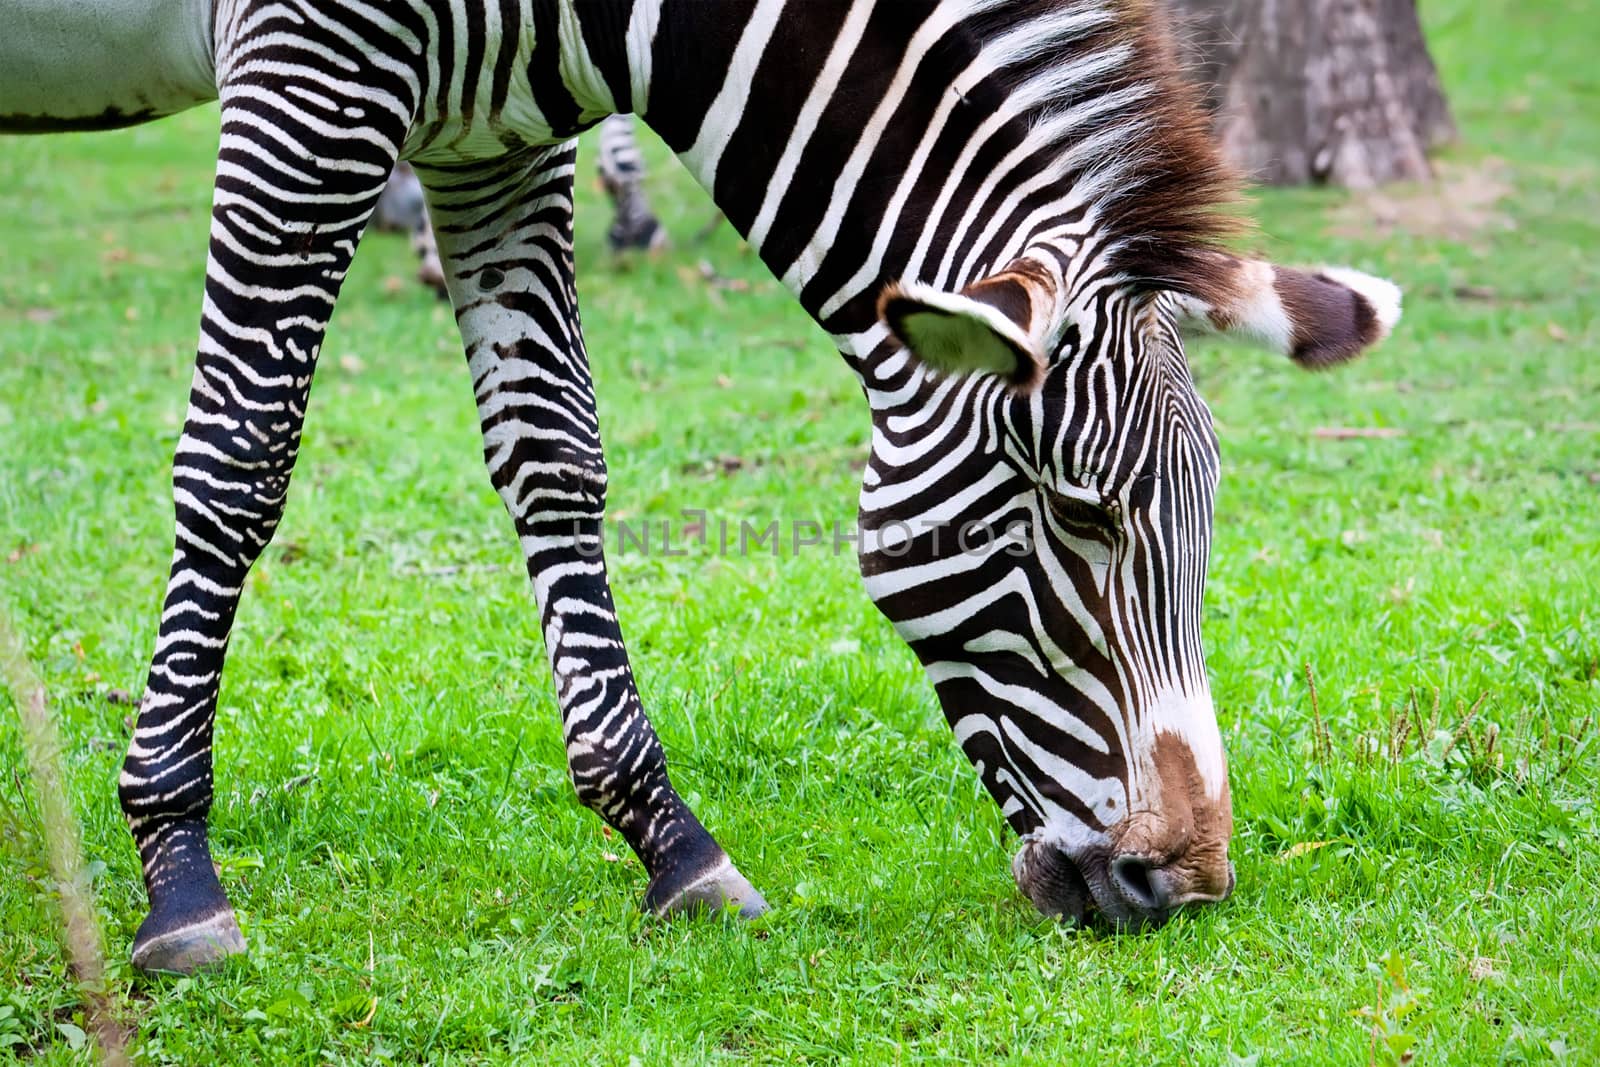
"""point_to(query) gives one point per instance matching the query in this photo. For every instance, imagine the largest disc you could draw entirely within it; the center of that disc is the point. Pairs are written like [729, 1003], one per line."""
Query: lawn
[1418, 852]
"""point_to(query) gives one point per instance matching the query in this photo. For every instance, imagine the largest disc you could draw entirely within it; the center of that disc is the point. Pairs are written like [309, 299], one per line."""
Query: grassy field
[393, 820]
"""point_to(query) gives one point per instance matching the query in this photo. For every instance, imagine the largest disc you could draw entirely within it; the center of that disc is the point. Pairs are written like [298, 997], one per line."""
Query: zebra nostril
[1140, 883]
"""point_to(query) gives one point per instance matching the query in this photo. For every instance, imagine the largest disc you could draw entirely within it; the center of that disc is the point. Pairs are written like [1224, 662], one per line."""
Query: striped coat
[1005, 215]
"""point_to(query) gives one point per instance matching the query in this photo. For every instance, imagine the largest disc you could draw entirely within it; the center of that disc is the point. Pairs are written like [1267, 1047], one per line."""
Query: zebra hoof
[647, 235]
[721, 889]
[190, 948]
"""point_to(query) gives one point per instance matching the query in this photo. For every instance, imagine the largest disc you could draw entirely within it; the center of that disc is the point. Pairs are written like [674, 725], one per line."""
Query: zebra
[1006, 214]
[403, 208]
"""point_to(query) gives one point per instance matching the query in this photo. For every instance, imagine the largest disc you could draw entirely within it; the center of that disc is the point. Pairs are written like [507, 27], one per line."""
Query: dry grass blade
[85, 943]
[1300, 848]
[1355, 433]
[1321, 740]
[1460, 731]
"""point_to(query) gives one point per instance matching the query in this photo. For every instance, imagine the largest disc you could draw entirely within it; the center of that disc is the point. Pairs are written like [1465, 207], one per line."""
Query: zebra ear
[1317, 317]
[985, 328]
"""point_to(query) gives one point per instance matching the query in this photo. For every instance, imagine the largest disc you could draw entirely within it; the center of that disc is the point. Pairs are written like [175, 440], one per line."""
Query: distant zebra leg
[430, 271]
[622, 173]
[506, 234]
[402, 209]
[284, 227]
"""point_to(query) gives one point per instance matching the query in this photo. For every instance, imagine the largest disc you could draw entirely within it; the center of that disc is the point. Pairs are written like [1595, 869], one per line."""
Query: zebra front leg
[285, 222]
[505, 234]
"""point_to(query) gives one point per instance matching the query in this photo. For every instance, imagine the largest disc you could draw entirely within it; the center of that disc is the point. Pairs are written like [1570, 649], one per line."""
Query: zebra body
[1003, 213]
[98, 66]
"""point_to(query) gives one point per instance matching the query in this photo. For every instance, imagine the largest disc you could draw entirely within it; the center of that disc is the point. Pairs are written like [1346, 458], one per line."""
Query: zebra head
[1036, 519]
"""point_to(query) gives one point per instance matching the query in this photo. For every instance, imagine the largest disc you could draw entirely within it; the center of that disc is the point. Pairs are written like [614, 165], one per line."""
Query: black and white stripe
[1001, 211]
[403, 208]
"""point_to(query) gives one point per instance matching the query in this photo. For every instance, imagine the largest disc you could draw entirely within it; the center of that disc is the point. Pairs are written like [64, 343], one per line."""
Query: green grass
[392, 815]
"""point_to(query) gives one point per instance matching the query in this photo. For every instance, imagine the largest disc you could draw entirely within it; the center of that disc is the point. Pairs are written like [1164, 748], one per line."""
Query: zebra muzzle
[1052, 881]
[1127, 890]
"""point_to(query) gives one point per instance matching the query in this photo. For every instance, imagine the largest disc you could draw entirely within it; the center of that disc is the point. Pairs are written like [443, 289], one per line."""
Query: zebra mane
[1101, 87]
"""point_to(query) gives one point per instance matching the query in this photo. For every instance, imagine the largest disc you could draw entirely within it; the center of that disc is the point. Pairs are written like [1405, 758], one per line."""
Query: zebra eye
[1084, 516]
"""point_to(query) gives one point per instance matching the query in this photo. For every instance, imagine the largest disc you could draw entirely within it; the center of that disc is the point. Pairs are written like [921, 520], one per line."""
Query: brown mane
[1174, 205]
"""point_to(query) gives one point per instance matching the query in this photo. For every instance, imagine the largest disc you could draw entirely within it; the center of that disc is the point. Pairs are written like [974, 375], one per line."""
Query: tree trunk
[1341, 92]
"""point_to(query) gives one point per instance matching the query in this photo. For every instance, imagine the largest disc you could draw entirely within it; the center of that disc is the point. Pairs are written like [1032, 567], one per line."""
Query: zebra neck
[857, 150]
